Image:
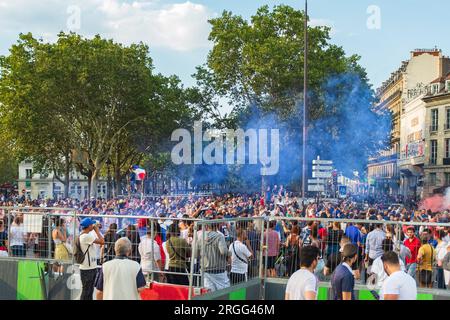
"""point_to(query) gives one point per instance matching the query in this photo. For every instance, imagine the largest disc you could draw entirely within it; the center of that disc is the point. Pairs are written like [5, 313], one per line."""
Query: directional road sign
[316, 188]
[324, 162]
[323, 168]
[321, 174]
[316, 181]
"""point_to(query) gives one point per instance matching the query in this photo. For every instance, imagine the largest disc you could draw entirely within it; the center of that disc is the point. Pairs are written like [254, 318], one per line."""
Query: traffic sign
[342, 191]
[324, 168]
[316, 174]
[325, 162]
[316, 181]
[316, 188]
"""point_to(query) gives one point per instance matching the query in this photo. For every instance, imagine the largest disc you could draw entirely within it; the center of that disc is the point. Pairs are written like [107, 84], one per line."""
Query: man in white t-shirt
[150, 255]
[88, 269]
[377, 267]
[239, 258]
[303, 284]
[399, 285]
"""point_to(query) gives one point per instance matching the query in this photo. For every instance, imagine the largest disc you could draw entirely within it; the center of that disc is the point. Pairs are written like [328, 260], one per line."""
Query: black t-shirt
[3, 238]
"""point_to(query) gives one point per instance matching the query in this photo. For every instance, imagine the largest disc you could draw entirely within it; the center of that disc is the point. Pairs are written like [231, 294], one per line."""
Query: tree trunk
[67, 179]
[117, 178]
[93, 186]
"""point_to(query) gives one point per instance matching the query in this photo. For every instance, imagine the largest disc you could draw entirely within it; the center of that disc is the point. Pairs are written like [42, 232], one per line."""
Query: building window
[432, 179]
[447, 148]
[447, 118]
[433, 155]
[447, 179]
[435, 88]
[447, 85]
[434, 119]
[28, 173]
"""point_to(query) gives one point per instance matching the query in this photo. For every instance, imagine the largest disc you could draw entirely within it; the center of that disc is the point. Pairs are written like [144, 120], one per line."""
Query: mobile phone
[375, 294]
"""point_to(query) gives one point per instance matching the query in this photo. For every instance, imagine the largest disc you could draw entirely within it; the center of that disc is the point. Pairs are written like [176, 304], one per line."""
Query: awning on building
[410, 170]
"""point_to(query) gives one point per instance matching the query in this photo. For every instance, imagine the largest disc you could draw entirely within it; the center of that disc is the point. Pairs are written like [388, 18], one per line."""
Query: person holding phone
[88, 269]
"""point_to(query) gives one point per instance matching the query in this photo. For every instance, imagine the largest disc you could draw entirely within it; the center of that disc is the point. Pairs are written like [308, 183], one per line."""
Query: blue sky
[177, 30]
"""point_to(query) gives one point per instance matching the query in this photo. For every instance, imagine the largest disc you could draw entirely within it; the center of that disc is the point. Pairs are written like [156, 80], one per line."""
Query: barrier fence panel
[228, 251]
[420, 247]
[216, 254]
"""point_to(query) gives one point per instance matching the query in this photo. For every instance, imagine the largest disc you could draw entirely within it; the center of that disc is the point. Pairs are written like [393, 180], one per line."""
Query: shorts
[271, 262]
[216, 281]
[236, 278]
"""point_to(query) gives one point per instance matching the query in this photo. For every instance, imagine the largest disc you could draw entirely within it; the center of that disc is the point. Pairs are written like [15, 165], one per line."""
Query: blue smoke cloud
[348, 133]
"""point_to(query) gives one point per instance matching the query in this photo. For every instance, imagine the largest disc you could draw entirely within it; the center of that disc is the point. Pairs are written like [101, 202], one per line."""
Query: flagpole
[142, 188]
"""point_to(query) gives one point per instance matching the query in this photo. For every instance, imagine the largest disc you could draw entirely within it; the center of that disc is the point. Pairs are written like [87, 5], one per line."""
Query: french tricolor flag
[139, 172]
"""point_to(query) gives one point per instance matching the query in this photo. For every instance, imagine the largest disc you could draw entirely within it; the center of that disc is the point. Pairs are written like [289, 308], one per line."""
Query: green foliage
[261, 61]
[89, 97]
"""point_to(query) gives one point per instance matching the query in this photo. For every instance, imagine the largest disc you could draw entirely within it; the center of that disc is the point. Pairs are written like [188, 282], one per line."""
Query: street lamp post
[305, 83]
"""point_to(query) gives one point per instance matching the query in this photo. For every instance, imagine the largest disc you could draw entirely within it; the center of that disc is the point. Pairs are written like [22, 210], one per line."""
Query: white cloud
[182, 26]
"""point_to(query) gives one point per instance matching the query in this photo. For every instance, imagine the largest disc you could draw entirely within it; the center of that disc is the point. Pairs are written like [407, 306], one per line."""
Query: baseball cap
[86, 222]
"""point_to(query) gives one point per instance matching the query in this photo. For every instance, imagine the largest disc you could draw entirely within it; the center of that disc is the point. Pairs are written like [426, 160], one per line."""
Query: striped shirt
[374, 243]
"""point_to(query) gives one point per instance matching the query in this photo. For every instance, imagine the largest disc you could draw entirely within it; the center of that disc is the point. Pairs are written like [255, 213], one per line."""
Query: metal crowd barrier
[159, 244]
[330, 247]
[182, 251]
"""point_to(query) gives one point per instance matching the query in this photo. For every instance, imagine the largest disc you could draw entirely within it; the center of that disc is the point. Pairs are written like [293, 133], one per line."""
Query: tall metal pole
[305, 83]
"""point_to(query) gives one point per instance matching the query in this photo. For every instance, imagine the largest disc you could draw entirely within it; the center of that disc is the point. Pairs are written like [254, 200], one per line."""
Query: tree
[258, 67]
[79, 102]
[29, 124]
[261, 61]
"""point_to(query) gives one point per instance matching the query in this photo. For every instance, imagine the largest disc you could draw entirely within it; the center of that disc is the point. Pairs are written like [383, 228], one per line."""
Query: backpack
[78, 254]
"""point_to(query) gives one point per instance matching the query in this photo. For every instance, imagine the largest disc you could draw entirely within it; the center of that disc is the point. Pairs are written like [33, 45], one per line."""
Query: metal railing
[202, 253]
[330, 235]
[169, 249]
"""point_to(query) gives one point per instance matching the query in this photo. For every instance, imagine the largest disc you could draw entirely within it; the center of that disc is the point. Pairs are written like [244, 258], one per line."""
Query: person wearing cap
[343, 280]
[88, 269]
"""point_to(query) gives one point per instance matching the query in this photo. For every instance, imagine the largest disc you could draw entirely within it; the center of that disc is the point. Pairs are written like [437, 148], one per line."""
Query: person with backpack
[240, 254]
[85, 256]
[292, 246]
[179, 252]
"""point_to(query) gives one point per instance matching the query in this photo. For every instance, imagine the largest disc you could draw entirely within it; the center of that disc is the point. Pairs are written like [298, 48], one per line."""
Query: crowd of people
[163, 242]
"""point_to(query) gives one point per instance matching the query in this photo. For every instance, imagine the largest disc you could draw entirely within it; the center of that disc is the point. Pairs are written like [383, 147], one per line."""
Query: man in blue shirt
[343, 280]
[353, 233]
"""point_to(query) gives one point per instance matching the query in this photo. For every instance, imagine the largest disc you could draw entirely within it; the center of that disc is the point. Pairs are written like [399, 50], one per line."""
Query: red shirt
[413, 246]
[163, 255]
[322, 236]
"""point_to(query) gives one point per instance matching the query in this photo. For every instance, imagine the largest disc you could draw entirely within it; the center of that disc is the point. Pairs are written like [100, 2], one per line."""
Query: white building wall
[413, 133]
[42, 186]
[421, 70]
